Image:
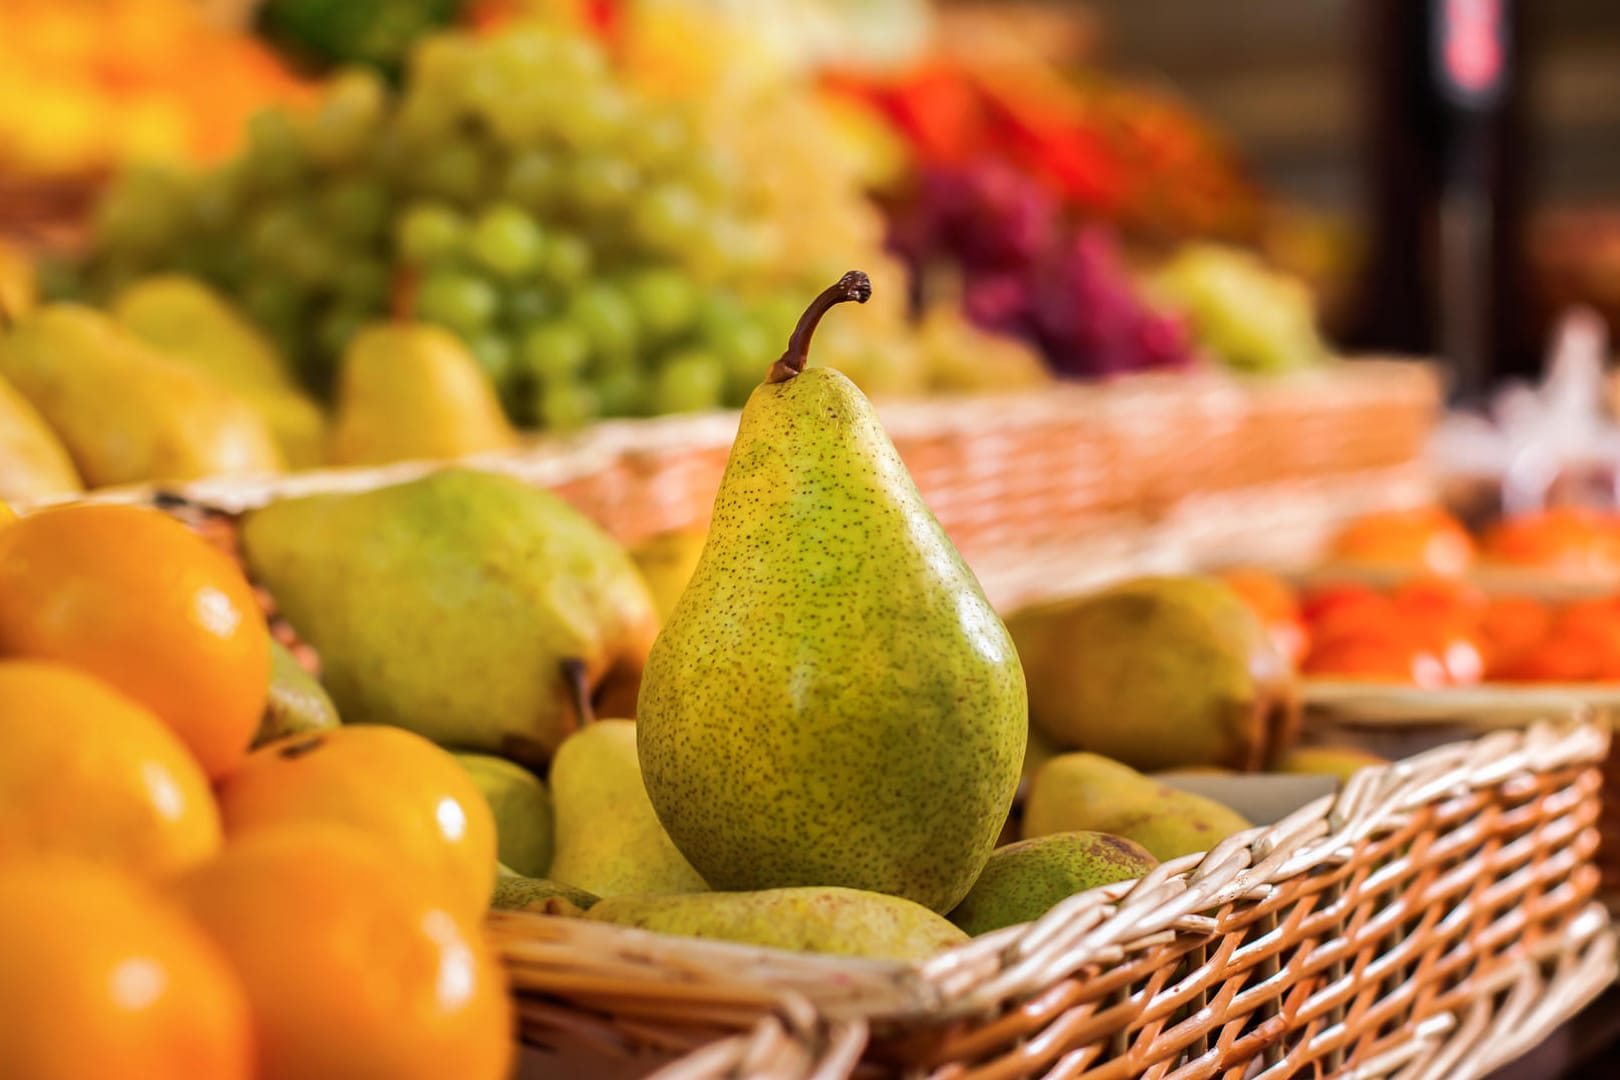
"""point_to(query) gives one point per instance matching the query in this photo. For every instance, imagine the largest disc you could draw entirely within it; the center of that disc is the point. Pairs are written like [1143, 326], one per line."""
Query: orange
[7, 515]
[355, 969]
[104, 979]
[1511, 626]
[1566, 539]
[1273, 602]
[1427, 538]
[1378, 659]
[415, 798]
[135, 598]
[1568, 655]
[85, 771]
[1350, 611]
[1441, 600]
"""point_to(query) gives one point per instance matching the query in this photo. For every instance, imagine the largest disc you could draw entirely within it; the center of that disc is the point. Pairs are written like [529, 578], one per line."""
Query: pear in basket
[297, 702]
[514, 892]
[845, 922]
[127, 412]
[1087, 792]
[1022, 881]
[833, 701]
[1159, 672]
[446, 605]
[609, 840]
[524, 820]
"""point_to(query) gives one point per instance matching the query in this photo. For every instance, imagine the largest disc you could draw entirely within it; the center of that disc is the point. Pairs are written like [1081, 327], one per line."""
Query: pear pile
[803, 729]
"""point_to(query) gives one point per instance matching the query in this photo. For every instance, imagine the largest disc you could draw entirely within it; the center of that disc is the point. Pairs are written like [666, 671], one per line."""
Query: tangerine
[1565, 539]
[416, 799]
[355, 969]
[1276, 606]
[85, 771]
[102, 978]
[1427, 538]
[1378, 659]
[133, 597]
[1510, 627]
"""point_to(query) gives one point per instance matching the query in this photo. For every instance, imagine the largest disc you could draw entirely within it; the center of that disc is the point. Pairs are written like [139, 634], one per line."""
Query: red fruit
[1378, 659]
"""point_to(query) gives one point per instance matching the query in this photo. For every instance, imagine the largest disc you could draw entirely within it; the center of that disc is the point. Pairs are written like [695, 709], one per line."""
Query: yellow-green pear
[845, 922]
[1340, 761]
[1090, 793]
[609, 839]
[297, 702]
[524, 825]
[33, 462]
[191, 322]
[447, 604]
[1023, 881]
[409, 391]
[667, 562]
[1159, 673]
[127, 412]
[833, 700]
[513, 892]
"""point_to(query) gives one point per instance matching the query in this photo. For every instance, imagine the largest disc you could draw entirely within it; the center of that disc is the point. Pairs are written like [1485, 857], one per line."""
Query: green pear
[609, 839]
[192, 323]
[1087, 792]
[1023, 881]
[833, 701]
[33, 462]
[297, 702]
[522, 808]
[845, 922]
[517, 893]
[447, 604]
[1340, 761]
[1159, 673]
[410, 391]
[125, 411]
[667, 562]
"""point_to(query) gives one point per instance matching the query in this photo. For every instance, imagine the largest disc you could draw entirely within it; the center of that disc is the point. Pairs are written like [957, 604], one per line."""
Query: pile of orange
[176, 903]
[1566, 541]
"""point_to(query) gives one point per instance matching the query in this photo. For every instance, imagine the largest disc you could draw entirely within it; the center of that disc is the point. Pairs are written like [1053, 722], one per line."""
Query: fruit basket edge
[1435, 918]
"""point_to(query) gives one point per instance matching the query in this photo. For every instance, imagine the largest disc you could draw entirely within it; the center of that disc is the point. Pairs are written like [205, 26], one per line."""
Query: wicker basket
[1435, 919]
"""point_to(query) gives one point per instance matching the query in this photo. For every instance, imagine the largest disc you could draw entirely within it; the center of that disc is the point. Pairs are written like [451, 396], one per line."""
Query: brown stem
[855, 286]
[573, 670]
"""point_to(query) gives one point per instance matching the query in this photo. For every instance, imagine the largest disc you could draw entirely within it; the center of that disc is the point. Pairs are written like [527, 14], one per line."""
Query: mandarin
[133, 597]
[85, 771]
[355, 969]
[1427, 538]
[102, 978]
[1569, 540]
[415, 798]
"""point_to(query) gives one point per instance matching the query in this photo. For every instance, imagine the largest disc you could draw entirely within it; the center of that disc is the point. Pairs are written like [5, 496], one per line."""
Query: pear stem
[855, 286]
[573, 670]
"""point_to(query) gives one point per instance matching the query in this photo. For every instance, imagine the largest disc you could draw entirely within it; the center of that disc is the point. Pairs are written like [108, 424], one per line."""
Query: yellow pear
[127, 412]
[33, 462]
[194, 324]
[410, 391]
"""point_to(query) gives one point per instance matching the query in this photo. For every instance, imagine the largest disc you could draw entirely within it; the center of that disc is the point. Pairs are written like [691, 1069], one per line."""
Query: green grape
[144, 213]
[778, 313]
[274, 160]
[506, 240]
[517, 54]
[525, 305]
[669, 218]
[426, 120]
[275, 230]
[663, 140]
[577, 60]
[216, 199]
[594, 117]
[464, 303]
[743, 346]
[532, 180]
[455, 172]
[566, 406]
[689, 381]
[442, 63]
[666, 302]
[523, 115]
[355, 207]
[555, 351]
[392, 157]
[340, 128]
[276, 306]
[600, 184]
[494, 354]
[714, 175]
[363, 284]
[568, 258]
[430, 233]
[620, 392]
[606, 316]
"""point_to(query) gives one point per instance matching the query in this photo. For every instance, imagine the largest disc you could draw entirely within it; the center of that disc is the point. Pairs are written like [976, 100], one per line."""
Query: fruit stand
[687, 539]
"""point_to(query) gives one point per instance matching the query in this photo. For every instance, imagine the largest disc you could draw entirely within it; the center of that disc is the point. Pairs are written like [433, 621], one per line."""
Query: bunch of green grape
[596, 254]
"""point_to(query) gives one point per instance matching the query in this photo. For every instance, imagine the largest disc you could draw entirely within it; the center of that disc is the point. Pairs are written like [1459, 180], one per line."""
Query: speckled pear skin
[1024, 881]
[540, 895]
[609, 840]
[844, 922]
[832, 701]
[1076, 792]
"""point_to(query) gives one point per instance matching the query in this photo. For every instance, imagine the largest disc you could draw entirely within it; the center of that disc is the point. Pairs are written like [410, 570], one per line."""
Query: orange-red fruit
[355, 969]
[1378, 659]
[133, 597]
[1568, 540]
[99, 978]
[1427, 538]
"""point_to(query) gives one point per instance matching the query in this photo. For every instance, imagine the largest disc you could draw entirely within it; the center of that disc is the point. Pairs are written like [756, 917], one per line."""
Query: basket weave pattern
[1433, 920]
